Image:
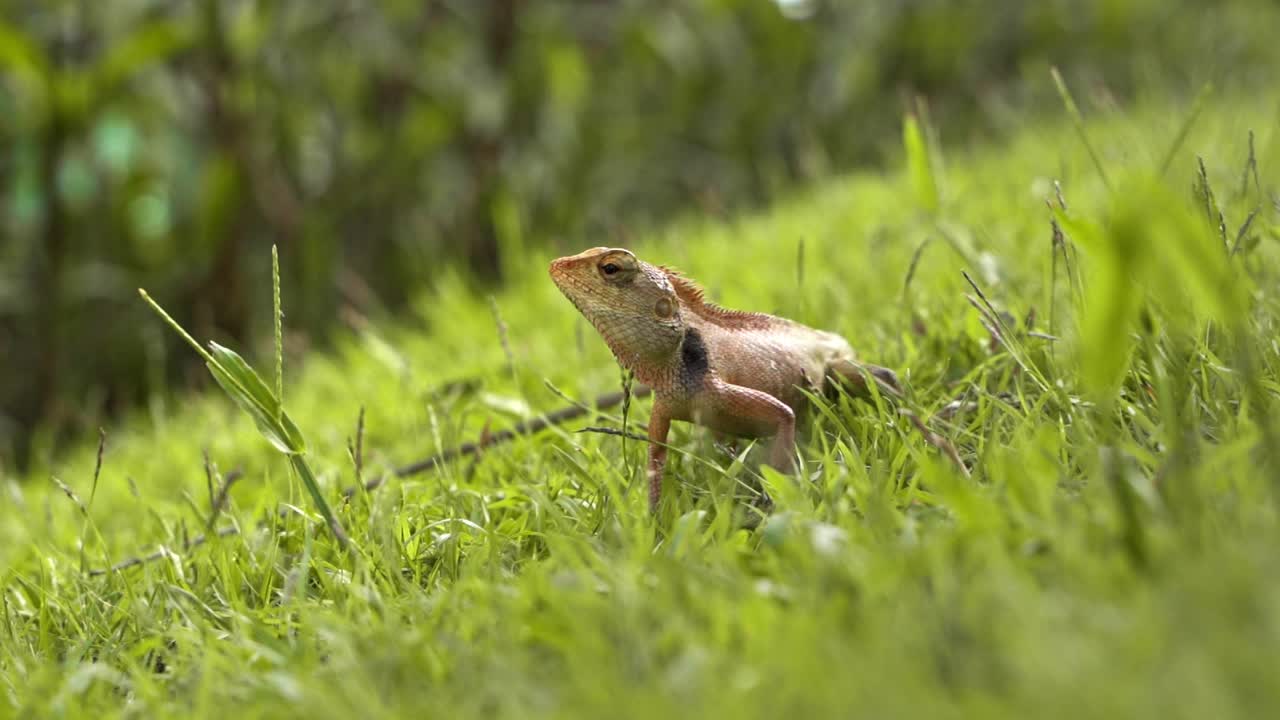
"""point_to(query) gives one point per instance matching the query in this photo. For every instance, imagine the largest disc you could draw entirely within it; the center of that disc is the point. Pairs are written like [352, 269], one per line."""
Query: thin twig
[936, 440]
[220, 500]
[602, 402]
[615, 432]
[163, 552]
[526, 427]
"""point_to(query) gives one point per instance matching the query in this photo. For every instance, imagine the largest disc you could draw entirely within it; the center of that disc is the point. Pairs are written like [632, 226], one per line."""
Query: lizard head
[631, 303]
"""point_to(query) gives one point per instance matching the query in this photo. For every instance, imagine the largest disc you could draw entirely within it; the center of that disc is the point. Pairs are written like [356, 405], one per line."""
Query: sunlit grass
[1112, 552]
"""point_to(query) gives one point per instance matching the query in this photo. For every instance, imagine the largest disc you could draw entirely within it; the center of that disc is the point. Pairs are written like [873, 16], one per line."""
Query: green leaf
[918, 164]
[1111, 306]
[1077, 120]
[26, 63]
[20, 56]
[1178, 261]
[301, 467]
[246, 387]
[152, 43]
[1153, 248]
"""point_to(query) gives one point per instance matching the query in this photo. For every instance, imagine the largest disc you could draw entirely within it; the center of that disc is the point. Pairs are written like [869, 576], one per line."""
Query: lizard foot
[757, 509]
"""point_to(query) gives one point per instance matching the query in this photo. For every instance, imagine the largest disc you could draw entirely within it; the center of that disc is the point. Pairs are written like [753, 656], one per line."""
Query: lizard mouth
[565, 284]
[562, 272]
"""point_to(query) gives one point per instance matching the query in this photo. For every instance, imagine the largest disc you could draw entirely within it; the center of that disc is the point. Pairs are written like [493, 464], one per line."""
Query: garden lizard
[738, 373]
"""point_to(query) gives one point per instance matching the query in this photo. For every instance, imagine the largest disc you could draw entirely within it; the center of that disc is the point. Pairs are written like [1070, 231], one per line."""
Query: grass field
[1111, 552]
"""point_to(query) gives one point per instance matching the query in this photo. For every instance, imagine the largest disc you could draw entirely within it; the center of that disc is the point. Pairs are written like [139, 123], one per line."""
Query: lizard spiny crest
[692, 297]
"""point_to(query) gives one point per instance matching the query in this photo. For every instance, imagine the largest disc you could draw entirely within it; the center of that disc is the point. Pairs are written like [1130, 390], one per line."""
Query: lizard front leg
[659, 426]
[754, 407]
[741, 405]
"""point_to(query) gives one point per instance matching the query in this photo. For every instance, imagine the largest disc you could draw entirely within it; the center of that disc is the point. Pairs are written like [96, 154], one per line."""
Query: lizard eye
[617, 267]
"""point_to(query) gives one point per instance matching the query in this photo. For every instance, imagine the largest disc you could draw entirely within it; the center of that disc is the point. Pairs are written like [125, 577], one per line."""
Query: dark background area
[168, 144]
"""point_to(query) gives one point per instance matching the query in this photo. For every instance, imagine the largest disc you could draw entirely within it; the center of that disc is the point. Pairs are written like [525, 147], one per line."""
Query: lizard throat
[651, 350]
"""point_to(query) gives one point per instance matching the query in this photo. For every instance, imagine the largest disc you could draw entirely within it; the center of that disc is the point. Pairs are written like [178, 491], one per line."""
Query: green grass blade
[919, 168]
[1185, 128]
[248, 390]
[176, 327]
[308, 478]
[277, 316]
[1078, 121]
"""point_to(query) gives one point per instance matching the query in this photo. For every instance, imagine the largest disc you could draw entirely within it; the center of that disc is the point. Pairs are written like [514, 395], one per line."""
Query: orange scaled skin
[739, 373]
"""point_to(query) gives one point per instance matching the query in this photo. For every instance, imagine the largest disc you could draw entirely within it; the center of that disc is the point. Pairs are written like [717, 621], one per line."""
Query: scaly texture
[739, 373]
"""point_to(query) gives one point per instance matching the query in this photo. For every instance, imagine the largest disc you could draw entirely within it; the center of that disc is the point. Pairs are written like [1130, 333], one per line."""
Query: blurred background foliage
[168, 143]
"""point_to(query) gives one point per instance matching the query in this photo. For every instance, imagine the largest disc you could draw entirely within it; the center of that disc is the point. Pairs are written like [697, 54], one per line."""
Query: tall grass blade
[277, 316]
[919, 168]
[1078, 121]
[1187, 123]
[248, 390]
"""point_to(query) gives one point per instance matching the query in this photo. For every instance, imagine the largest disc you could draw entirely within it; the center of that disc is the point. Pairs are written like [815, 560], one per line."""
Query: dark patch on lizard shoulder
[694, 361]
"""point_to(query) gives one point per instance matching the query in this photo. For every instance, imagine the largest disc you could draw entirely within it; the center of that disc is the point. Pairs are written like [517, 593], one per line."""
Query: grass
[1112, 553]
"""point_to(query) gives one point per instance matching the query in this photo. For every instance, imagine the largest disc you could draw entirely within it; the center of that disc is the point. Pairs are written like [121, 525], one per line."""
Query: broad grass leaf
[1180, 263]
[1152, 248]
[243, 384]
[1112, 302]
[918, 165]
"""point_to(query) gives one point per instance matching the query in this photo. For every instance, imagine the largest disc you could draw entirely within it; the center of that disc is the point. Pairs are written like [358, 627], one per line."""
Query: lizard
[738, 373]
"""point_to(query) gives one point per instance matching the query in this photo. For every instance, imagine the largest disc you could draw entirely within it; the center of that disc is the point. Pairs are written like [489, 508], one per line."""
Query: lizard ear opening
[665, 308]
